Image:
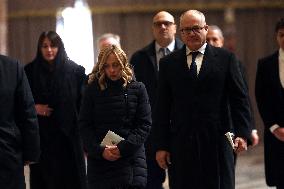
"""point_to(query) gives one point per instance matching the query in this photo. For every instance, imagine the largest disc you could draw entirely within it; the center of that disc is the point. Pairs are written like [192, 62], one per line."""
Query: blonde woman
[113, 101]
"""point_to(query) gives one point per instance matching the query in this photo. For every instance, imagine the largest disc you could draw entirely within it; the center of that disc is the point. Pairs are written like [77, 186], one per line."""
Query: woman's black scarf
[47, 80]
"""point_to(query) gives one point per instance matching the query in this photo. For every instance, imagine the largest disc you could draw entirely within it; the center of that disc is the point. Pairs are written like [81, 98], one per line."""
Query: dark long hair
[56, 41]
[279, 25]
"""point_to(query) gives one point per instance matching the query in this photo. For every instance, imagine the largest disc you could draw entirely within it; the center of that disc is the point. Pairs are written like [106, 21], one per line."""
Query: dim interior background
[248, 25]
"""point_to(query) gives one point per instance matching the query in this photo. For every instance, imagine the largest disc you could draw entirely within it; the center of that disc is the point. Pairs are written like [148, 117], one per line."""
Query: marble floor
[249, 170]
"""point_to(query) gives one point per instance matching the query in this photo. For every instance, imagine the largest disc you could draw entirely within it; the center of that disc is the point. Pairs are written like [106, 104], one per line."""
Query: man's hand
[240, 145]
[43, 110]
[163, 158]
[279, 133]
[254, 137]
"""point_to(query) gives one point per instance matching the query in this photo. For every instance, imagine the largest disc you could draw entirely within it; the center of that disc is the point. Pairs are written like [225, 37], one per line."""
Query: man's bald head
[164, 28]
[163, 16]
[215, 36]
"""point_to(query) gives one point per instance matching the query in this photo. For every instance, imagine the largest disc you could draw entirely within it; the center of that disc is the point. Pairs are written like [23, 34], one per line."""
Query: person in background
[194, 85]
[108, 39]
[113, 101]
[19, 133]
[215, 38]
[105, 40]
[269, 93]
[56, 84]
[145, 63]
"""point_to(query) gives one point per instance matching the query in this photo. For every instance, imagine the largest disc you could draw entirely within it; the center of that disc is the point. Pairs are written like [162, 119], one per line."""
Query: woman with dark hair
[56, 84]
[113, 101]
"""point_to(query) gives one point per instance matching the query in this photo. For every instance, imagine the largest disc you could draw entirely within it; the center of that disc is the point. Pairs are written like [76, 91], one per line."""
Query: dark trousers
[279, 187]
[156, 175]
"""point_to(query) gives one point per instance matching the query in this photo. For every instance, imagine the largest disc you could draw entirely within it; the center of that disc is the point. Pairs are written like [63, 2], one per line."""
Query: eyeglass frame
[159, 24]
[195, 29]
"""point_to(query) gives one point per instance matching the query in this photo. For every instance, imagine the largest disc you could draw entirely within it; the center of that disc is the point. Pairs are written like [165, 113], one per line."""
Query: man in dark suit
[269, 93]
[19, 134]
[194, 85]
[146, 64]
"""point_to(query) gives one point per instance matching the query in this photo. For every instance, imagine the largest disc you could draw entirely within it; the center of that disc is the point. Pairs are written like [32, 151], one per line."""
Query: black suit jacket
[270, 101]
[19, 134]
[192, 118]
[144, 62]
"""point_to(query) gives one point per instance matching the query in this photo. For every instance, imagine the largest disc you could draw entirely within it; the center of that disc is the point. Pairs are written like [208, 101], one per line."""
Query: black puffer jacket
[125, 112]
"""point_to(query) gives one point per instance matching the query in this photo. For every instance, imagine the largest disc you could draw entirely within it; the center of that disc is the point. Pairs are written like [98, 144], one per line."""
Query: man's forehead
[163, 16]
[192, 19]
[281, 30]
[213, 32]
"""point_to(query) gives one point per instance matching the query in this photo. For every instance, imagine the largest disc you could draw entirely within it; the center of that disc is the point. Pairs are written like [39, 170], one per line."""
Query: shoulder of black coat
[8, 61]
[269, 58]
[78, 69]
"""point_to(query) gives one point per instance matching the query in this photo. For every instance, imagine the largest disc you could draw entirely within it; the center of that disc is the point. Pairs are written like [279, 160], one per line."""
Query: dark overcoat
[19, 135]
[192, 118]
[270, 101]
[127, 113]
[62, 161]
[145, 67]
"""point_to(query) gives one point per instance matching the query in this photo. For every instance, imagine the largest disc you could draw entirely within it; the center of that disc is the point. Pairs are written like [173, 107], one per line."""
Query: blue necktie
[164, 51]
[193, 67]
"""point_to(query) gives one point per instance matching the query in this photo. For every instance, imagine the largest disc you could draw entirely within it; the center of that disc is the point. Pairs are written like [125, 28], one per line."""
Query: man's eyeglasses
[165, 23]
[194, 29]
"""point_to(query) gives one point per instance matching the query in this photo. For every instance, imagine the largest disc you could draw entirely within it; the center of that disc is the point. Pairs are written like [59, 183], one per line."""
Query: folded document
[230, 137]
[111, 139]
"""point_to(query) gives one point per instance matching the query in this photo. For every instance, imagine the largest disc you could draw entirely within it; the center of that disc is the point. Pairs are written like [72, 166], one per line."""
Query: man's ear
[206, 27]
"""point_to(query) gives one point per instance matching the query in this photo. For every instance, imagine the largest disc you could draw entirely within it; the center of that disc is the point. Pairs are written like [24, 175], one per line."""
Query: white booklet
[111, 139]
[230, 136]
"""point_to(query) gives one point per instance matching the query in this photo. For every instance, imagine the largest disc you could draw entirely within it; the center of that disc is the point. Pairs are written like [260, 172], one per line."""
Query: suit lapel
[151, 53]
[274, 66]
[207, 63]
[182, 63]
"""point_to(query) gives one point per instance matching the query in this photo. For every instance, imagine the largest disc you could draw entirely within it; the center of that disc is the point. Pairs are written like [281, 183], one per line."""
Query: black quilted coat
[125, 111]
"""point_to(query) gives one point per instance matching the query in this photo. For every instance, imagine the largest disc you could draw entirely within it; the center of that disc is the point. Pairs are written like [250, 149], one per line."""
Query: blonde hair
[99, 72]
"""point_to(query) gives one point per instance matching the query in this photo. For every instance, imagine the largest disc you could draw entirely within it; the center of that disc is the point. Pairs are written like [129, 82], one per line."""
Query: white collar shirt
[198, 59]
[159, 55]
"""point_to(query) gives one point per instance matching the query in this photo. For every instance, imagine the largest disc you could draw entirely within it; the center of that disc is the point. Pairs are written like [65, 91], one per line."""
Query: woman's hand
[111, 153]
[163, 158]
[43, 110]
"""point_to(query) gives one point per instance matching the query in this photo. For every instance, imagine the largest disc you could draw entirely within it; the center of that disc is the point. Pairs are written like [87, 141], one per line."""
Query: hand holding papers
[111, 139]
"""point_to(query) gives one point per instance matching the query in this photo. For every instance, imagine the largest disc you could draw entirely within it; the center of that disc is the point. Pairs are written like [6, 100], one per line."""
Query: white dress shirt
[198, 59]
[159, 54]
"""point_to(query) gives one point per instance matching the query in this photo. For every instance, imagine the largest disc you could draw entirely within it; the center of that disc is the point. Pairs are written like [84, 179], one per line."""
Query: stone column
[3, 27]
[230, 29]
